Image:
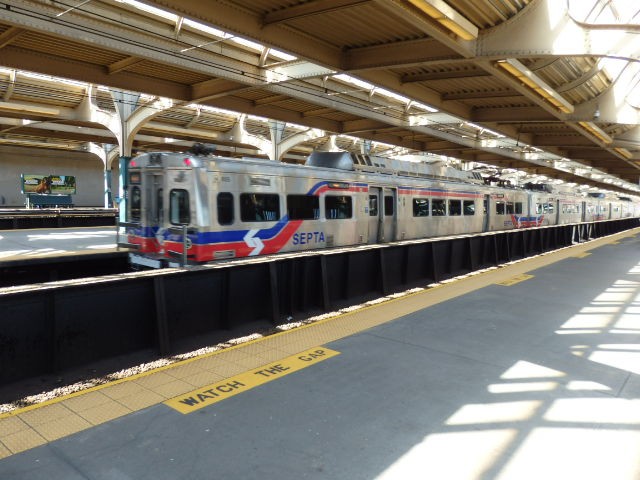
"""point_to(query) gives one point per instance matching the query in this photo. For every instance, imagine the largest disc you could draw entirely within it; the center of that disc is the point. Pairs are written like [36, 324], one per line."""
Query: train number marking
[205, 396]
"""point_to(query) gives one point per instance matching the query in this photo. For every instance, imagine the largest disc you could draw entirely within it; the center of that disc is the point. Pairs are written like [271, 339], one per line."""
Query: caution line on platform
[205, 396]
[513, 280]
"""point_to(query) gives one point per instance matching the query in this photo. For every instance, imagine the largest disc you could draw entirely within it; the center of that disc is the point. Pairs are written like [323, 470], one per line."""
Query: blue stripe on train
[230, 235]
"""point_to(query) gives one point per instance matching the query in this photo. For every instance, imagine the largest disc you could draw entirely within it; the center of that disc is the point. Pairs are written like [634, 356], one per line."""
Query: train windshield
[179, 207]
[135, 210]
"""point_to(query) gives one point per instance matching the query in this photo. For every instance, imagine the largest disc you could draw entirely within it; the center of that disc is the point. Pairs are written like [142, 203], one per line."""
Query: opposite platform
[525, 371]
[27, 244]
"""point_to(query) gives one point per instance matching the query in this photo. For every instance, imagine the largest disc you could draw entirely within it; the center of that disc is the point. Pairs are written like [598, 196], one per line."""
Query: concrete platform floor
[40, 243]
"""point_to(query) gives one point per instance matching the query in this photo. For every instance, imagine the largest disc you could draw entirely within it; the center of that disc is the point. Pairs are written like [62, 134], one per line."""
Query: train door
[382, 214]
[389, 215]
[485, 213]
[153, 203]
[375, 214]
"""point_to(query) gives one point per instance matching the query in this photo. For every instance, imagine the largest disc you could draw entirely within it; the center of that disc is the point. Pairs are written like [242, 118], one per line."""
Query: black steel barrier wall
[53, 327]
[56, 218]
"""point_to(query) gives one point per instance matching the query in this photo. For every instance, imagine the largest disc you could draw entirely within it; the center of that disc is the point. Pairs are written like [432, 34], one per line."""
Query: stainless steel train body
[220, 208]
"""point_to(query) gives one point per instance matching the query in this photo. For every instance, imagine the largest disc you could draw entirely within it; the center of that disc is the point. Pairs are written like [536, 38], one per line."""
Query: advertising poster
[49, 184]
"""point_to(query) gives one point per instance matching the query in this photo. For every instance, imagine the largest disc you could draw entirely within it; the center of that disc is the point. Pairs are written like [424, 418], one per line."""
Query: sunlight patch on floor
[494, 412]
[606, 410]
[456, 455]
[572, 453]
[521, 387]
[523, 369]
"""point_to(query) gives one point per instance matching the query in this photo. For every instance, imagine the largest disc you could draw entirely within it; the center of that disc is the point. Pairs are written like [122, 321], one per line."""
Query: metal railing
[186, 243]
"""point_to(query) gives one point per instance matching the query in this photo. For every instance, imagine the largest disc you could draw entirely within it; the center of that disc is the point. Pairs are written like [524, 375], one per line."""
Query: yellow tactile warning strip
[38, 424]
[516, 279]
[583, 254]
[192, 401]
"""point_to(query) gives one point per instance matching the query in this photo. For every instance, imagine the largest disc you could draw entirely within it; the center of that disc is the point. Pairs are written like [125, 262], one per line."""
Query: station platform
[527, 371]
[28, 244]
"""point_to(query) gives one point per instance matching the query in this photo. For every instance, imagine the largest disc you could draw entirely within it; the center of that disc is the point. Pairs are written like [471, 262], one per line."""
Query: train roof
[355, 163]
[331, 160]
[370, 164]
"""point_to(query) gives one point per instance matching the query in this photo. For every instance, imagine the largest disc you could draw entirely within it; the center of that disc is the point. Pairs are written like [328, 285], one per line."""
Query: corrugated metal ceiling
[390, 44]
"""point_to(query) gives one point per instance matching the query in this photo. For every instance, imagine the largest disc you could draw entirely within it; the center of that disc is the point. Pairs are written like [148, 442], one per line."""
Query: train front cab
[145, 206]
[149, 193]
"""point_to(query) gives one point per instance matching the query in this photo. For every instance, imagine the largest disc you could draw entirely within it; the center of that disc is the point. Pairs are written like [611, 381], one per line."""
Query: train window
[510, 208]
[373, 205]
[484, 206]
[303, 207]
[438, 208]
[388, 205]
[337, 206]
[500, 208]
[420, 207]
[179, 207]
[259, 207]
[518, 208]
[134, 178]
[225, 208]
[469, 207]
[455, 207]
[550, 207]
[538, 208]
[159, 206]
[569, 208]
[135, 203]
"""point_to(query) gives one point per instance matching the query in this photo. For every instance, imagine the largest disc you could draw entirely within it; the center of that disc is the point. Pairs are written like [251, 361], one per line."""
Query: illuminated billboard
[49, 184]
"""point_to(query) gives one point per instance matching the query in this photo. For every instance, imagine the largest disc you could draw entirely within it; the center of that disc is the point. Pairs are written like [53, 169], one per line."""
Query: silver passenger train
[207, 208]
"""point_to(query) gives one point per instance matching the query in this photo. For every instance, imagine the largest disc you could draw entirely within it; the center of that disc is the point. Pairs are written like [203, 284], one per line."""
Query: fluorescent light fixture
[624, 152]
[354, 81]
[596, 131]
[424, 107]
[535, 83]
[149, 9]
[448, 18]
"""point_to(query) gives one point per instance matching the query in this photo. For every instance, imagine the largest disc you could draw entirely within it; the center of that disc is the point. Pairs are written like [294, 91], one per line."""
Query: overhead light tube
[447, 17]
[596, 131]
[624, 152]
[535, 83]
